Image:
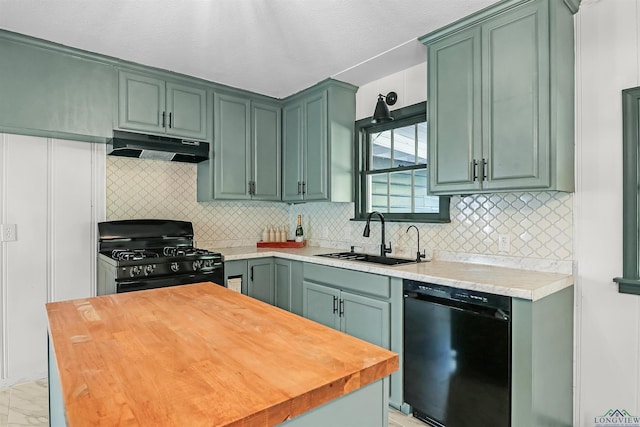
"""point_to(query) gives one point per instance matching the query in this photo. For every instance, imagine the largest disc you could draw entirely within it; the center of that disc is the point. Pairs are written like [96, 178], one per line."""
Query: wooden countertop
[200, 355]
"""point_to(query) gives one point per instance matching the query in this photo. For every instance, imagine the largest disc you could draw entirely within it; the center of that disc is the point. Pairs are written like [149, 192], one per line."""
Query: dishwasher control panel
[467, 296]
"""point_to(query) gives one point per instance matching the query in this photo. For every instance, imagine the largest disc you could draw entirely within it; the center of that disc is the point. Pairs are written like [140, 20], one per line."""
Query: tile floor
[27, 405]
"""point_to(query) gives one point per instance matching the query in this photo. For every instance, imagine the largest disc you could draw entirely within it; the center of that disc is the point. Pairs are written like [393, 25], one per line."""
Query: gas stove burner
[132, 254]
[183, 251]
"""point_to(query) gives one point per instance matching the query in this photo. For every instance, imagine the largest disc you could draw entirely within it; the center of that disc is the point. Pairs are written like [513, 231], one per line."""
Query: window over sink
[629, 283]
[392, 169]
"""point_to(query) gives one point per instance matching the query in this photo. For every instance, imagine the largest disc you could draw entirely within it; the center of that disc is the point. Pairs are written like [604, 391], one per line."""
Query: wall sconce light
[382, 114]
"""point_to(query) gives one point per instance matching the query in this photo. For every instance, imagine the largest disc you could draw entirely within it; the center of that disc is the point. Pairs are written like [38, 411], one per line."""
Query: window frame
[364, 126]
[629, 283]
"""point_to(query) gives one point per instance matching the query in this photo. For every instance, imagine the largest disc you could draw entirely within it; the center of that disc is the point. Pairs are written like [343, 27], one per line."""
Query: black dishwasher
[457, 356]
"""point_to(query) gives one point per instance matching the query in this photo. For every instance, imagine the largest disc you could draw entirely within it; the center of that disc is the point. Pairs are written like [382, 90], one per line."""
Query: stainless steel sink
[375, 259]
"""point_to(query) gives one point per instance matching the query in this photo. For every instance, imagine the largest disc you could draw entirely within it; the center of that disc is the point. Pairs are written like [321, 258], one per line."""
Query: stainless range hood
[128, 144]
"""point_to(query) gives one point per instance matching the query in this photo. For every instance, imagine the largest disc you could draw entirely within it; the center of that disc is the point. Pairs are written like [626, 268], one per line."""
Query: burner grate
[132, 254]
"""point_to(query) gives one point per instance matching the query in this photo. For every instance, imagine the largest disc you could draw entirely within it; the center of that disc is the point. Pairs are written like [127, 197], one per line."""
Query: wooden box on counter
[287, 244]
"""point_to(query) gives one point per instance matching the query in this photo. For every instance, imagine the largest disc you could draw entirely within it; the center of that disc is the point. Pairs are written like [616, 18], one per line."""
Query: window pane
[400, 192]
[404, 146]
[422, 143]
[422, 202]
[381, 150]
[378, 192]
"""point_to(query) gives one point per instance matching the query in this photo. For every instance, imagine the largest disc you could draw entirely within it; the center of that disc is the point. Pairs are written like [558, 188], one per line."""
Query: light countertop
[513, 282]
[200, 355]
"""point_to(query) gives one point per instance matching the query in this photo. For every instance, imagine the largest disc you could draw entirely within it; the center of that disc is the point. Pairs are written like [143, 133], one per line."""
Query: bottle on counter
[284, 236]
[272, 234]
[299, 231]
[265, 235]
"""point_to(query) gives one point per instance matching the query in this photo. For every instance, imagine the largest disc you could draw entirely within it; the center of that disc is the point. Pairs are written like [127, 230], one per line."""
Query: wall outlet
[8, 232]
[504, 243]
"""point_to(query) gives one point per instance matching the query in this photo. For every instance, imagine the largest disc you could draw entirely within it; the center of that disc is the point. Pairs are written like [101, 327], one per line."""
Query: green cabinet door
[320, 304]
[265, 151]
[232, 146]
[315, 150]
[50, 90]
[365, 318]
[454, 112]
[288, 285]
[141, 103]
[501, 97]
[515, 48]
[187, 110]
[317, 143]
[282, 281]
[260, 284]
[360, 316]
[292, 164]
[150, 104]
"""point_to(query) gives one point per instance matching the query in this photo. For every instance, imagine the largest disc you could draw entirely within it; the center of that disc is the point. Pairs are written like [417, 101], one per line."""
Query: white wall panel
[607, 325]
[73, 219]
[54, 191]
[25, 196]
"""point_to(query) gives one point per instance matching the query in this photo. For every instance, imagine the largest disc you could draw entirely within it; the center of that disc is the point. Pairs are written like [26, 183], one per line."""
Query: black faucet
[383, 249]
[418, 254]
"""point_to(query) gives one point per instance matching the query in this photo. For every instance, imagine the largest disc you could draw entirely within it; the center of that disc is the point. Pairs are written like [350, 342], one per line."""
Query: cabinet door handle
[164, 118]
[170, 116]
[341, 314]
[335, 304]
[484, 163]
[304, 187]
[474, 169]
[251, 274]
[299, 187]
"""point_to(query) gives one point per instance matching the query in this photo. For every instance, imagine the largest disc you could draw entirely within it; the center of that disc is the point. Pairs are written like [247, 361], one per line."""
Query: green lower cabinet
[358, 315]
[320, 304]
[288, 285]
[542, 361]
[260, 282]
[365, 318]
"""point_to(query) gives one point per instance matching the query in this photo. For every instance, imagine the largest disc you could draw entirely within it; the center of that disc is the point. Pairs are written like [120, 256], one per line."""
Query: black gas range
[152, 253]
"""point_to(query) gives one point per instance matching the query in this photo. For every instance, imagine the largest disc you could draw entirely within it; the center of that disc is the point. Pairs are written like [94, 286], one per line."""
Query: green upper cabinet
[150, 104]
[265, 149]
[317, 143]
[500, 106]
[53, 91]
[246, 150]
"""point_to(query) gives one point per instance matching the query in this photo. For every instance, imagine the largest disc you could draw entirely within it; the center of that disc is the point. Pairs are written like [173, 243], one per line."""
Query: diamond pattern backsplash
[138, 188]
[539, 224]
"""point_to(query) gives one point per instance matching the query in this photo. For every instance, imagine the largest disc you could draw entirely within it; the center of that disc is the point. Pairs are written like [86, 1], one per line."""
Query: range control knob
[175, 267]
[136, 270]
[148, 269]
[196, 265]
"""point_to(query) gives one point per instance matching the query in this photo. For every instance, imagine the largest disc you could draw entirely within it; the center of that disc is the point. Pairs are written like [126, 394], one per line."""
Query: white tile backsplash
[539, 224]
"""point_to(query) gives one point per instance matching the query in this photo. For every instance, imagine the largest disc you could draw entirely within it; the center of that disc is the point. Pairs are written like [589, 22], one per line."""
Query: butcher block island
[202, 355]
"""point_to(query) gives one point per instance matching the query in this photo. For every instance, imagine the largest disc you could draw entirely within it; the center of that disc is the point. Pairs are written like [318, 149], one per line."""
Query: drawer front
[348, 280]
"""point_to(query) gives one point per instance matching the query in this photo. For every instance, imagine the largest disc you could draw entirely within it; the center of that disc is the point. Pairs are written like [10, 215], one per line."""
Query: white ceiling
[273, 47]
